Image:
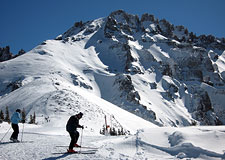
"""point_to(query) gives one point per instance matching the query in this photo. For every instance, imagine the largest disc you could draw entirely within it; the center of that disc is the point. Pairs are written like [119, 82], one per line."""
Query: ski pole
[22, 133]
[81, 140]
[5, 134]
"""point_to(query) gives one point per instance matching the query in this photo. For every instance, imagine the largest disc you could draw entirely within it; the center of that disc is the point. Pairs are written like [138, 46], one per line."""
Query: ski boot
[76, 145]
[15, 140]
[71, 151]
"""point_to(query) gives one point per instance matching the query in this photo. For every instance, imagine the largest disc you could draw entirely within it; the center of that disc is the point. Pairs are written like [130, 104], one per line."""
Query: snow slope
[41, 142]
[53, 94]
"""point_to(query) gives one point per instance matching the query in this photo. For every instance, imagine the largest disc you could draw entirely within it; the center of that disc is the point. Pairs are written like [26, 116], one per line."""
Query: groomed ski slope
[40, 142]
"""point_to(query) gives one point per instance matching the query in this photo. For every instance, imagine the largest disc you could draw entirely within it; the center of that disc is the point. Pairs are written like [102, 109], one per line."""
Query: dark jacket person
[71, 127]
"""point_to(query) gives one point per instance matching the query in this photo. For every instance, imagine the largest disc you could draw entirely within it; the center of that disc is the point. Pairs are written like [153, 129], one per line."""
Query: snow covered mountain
[148, 67]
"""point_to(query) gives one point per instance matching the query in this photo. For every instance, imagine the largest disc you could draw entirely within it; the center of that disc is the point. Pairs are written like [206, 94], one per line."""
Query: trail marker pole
[81, 140]
[22, 133]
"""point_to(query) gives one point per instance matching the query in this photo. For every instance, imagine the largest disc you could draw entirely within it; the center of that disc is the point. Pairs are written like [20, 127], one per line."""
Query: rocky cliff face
[188, 59]
[5, 54]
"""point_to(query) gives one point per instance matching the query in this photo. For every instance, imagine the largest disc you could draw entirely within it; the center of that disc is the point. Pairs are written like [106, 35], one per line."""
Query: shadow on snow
[186, 150]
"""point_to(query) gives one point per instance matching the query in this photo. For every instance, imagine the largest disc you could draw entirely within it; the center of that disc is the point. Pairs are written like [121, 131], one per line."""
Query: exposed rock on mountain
[5, 54]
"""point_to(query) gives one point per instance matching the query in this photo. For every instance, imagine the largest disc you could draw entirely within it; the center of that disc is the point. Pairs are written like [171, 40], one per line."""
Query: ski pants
[15, 133]
[74, 138]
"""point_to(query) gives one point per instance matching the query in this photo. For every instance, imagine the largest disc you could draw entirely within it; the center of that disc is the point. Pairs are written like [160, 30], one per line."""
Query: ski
[79, 152]
[26, 142]
[16, 142]
[81, 147]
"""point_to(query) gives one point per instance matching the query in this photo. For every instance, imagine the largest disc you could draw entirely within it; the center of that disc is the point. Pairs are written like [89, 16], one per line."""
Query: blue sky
[26, 23]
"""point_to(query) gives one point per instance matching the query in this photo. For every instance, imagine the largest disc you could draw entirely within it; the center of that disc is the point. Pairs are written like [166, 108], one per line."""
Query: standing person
[15, 120]
[71, 127]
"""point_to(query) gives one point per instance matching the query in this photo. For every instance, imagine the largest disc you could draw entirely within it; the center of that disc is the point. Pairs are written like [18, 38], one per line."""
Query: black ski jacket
[73, 124]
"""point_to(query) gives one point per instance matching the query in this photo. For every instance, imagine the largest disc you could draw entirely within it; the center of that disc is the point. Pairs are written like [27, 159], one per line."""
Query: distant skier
[15, 120]
[71, 127]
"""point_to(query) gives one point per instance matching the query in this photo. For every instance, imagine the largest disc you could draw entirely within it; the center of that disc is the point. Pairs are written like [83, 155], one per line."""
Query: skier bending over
[15, 120]
[71, 127]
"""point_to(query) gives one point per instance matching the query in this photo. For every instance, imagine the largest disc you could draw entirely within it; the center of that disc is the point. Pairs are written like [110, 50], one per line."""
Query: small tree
[113, 132]
[110, 131]
[186, 31]
[31, 119]
[118, 131]
[23, 115]
[122, 132]
[7, 119]
[2, 115]
[193, 123]
[34, 118]
[103, 130]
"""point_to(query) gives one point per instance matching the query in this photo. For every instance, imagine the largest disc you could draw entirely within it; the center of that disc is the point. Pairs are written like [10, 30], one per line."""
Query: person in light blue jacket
[15, 120]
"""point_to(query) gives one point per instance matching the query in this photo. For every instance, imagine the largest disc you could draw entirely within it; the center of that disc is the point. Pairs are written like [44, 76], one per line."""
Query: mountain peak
[147, 17]
[122, 17]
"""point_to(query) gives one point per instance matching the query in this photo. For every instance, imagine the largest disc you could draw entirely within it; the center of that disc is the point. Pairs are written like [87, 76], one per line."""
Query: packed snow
[47, 143]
